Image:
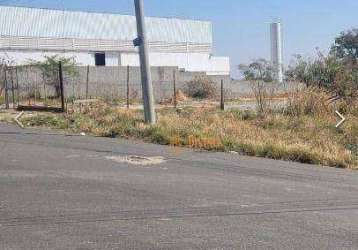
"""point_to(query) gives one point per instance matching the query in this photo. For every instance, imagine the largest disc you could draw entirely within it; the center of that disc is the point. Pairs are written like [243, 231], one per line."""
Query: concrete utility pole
[147, 87]
[276, 51]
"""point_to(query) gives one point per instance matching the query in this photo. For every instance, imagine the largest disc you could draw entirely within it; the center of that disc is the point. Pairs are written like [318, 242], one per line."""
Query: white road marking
[342, 121]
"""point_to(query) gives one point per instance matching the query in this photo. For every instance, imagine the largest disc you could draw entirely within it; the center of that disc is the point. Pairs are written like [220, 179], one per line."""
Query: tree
[346, 83]
[328, 72]
[259, 69]
[50, 69]
[4, 64]
[259, 73]
[298, 71]
[346, 46]
[319, 72]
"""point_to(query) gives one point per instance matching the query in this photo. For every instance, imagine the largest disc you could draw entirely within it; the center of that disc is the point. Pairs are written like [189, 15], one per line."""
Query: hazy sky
[241, 27]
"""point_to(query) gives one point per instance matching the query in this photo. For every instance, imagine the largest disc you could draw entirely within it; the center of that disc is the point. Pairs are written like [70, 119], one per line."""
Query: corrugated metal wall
[31, 22]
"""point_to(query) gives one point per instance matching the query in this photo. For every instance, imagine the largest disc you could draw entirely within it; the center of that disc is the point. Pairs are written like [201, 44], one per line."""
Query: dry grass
[304, 132]
[7, 116]
[201, 87]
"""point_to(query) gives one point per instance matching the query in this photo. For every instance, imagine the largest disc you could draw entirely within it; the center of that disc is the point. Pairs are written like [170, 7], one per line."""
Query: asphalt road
[73, 192]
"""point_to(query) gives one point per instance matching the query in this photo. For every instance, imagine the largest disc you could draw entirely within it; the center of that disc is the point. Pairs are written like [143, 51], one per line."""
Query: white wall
[82, 58]
[192, 62]
[22, 57]
[112, 59]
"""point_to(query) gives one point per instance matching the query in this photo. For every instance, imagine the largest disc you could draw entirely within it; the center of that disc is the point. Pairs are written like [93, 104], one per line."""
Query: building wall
[34, 22]
[82, 58]
[112, 59]
[186, 44]
[22, 57]
[192, 62]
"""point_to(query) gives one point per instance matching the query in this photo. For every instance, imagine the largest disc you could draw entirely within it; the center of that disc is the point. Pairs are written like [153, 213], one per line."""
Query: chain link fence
[33, 86]
[30, 85]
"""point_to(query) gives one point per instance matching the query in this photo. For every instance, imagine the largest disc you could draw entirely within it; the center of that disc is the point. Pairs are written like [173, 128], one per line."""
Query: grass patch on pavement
[46, 120]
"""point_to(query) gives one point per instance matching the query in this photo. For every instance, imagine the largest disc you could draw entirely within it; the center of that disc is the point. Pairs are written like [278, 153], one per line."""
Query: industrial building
[102, 39]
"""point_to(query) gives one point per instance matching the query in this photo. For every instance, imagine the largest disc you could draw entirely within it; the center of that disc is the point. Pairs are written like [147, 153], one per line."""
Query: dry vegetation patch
[304, 131]
[201, 87]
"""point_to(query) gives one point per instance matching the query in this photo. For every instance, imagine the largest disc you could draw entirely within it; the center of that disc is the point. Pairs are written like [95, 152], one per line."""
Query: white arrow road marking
[342, 121]
[16, 119]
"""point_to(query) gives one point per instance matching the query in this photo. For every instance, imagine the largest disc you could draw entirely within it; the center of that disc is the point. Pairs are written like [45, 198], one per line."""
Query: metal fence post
[87, 80]
[222, 99]
[175, 90]
[44, 85]
[35, 88]
[128, 86]
[74, 96]
[12, 88]
[17, 86]
[61, 86]
[5, 86]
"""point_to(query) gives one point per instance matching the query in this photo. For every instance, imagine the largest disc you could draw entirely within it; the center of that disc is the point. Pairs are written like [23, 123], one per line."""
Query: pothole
[137, 160]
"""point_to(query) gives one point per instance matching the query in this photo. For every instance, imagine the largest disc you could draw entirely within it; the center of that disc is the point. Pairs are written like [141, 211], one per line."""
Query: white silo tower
[276, 51]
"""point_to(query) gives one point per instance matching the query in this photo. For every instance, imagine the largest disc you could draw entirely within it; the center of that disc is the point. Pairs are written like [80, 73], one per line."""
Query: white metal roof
[32, 22]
